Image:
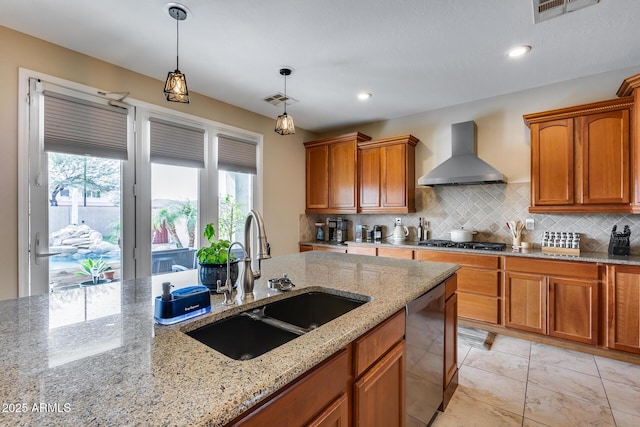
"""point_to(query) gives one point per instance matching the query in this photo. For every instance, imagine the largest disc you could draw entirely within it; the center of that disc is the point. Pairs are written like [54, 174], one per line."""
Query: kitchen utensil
[516, 227]
[400, 233]
[462, 235]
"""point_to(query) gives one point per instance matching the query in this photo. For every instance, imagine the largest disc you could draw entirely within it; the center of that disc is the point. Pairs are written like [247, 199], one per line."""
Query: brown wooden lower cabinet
[362, 249]
[526, 302]
[336, 415]
[304, 400]
[371, 369]
[573, 309]
[306, 248]
[450, 341]
[404, 253]
[562, 303]
[623, 308]
[378, 396]
[479, 296]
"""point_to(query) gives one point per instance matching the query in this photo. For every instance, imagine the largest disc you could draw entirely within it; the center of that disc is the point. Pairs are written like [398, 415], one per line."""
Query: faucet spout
[262, 252]
[228, 285]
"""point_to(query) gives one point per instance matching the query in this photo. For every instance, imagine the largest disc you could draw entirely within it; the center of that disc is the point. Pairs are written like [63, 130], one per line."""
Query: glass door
[77, 155]
[84, 211]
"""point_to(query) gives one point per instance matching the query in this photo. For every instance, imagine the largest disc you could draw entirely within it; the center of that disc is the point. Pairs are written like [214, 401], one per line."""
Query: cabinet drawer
[309, 396]
[396, 253]
[362, 250]
[471, 260]
[578, 270]
[479, 307]
[375, 343]
[478, 281]
[329, 249]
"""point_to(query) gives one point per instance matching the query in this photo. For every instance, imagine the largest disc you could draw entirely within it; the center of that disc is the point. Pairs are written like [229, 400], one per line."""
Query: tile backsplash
[486, 209]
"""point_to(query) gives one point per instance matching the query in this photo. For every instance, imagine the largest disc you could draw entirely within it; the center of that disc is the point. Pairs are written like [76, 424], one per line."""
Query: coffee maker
[337, 230]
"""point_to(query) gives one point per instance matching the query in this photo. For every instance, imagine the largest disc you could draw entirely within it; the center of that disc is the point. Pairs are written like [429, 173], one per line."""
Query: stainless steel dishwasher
[424, 337]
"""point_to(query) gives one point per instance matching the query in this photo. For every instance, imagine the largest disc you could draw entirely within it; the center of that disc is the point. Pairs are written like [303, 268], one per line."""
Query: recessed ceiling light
[364, 96]
[518, 51]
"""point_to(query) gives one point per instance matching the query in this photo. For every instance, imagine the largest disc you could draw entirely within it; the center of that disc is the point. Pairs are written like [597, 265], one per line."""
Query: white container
[462, 235]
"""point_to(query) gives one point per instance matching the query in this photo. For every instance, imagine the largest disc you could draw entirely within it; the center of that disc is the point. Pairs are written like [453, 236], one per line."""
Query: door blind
[237, 155]
[78, 126]
[176, 144]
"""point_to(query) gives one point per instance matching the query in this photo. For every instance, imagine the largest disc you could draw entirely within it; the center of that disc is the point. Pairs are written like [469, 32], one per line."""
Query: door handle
[42, 254]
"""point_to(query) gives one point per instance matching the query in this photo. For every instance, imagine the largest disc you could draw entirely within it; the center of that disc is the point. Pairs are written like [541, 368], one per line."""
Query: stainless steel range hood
[464, 167]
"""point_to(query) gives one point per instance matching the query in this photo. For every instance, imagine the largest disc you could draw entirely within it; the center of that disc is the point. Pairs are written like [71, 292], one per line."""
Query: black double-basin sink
[254, 332]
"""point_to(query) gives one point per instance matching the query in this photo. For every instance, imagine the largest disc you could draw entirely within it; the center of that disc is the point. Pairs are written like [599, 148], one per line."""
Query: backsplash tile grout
[486, 209]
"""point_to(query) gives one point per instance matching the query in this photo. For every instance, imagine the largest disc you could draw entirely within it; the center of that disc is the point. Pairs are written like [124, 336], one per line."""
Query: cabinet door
[573, 309]
[604, 144]
[369, 178]
[526, 302]
[317, 177]
[336, 415]
[393, 160]
[379, 394]
[623, 308]
[342, 176]
[552, 163]
[450, 348]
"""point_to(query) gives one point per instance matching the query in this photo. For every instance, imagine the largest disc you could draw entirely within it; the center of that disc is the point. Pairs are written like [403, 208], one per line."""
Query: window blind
[78, 126]
[237, 155]
[176, 144]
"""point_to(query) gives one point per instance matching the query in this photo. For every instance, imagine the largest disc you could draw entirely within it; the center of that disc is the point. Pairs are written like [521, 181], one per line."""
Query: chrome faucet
[228, 285]
[246, 290]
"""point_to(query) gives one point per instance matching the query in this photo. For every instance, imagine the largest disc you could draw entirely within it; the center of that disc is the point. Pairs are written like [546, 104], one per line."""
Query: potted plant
[94, 269]
[213, 260]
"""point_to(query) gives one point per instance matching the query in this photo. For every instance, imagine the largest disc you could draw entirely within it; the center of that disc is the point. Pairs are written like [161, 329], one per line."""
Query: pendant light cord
[285, 94]
[177, 43]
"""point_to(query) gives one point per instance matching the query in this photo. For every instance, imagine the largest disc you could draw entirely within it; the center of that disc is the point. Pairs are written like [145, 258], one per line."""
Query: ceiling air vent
[279, 98]
[546, 9]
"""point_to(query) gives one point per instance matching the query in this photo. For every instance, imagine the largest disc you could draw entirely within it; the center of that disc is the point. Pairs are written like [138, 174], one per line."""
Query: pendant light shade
[175, 88]
[284, 123]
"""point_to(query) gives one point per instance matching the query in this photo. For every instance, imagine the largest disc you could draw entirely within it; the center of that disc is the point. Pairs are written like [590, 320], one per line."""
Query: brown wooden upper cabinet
[580, 158]
[350, 173]
[332, 174]
[387, 175]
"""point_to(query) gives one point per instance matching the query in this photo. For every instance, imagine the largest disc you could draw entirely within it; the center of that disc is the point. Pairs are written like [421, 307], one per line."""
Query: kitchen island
[94, 356]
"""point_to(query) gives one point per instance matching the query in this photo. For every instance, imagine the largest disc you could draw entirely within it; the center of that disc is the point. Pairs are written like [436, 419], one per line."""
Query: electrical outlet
[398, 221]
[529, 224]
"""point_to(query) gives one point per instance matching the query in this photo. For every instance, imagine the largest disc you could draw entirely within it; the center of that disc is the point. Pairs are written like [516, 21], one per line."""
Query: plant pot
[211, 273]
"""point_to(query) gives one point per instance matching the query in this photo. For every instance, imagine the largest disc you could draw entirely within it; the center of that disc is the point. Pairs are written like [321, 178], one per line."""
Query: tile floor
[520, 383]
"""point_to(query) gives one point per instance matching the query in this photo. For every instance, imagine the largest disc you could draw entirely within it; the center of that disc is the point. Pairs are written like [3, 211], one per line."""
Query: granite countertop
[600, 257]
[94, 356]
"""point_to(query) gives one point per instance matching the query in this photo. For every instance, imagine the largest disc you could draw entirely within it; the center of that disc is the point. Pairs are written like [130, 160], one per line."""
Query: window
[142, 186]
[237, 168]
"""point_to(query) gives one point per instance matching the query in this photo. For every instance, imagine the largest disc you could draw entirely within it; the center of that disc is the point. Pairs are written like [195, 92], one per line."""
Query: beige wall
[283, 156]
[503, 138]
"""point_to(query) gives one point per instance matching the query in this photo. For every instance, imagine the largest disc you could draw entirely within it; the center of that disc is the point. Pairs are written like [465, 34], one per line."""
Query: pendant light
[175, 88]
[284, 123]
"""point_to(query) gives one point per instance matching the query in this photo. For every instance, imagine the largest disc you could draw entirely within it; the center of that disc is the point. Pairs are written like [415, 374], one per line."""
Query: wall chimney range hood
[463, 167]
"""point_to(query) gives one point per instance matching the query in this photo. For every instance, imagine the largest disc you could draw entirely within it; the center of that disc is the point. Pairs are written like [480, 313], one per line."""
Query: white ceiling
[413, 55]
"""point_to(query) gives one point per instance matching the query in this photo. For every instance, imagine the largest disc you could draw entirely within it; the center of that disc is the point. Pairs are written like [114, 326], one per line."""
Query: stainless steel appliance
[337, 230]
[481, 246]
[377, 233]
[424, 350]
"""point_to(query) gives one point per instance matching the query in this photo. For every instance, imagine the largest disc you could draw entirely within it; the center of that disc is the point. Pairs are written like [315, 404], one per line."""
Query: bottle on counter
[420, 230]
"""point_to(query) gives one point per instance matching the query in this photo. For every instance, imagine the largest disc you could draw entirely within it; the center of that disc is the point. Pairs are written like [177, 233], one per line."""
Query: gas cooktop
[481, 246]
